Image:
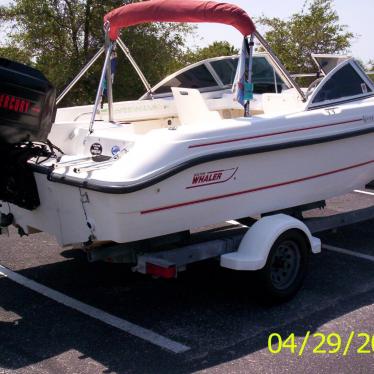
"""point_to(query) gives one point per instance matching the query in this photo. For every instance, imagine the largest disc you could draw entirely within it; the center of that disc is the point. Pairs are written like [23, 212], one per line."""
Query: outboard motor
[27, 111]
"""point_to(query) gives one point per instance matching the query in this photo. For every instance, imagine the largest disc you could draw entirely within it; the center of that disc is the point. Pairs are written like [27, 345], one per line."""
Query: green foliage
[16, 54]
[370, 68]
[60, 36]
[191, 56]
[316, 29]
[216, 49]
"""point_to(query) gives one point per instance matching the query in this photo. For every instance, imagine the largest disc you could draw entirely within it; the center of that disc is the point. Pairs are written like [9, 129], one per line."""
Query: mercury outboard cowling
[27, 111]
[27, 103]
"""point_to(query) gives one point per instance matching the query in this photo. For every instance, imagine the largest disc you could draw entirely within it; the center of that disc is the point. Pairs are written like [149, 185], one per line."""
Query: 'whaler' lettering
[206, 178]
[212, 177]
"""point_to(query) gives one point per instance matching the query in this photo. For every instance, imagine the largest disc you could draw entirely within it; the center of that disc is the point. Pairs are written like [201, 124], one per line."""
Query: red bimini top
[195, 11]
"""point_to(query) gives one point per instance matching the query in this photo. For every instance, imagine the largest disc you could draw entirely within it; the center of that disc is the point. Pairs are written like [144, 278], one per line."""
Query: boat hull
[205, 194]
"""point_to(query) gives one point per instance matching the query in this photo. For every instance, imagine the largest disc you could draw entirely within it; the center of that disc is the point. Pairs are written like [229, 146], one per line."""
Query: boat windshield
[265, 79]
[198, 77]
[346, 82]
[219, 74]
[328, 63]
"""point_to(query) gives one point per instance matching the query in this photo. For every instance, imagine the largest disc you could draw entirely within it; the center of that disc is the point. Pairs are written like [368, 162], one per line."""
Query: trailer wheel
[285, 269]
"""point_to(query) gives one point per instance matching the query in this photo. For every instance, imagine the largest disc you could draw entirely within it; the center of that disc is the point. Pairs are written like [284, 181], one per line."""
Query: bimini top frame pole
[80, 75]
[250, 47]
[127, 53]
[109, 82]
[101, 85]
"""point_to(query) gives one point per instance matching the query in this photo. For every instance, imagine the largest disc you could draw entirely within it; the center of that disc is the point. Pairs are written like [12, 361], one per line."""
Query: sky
[357, 15]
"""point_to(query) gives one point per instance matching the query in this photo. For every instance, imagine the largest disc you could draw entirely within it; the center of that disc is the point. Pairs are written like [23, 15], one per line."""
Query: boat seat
[191, 107]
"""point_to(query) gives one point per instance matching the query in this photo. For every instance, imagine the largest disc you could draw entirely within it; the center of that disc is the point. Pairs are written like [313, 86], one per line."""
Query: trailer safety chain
[85, 200]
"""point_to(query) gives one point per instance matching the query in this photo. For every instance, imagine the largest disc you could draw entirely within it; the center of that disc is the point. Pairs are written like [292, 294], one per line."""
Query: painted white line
[364, 192]
[349, 253]
[98, 314]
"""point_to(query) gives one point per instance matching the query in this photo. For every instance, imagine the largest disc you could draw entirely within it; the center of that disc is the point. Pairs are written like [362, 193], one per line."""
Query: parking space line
[93, 312]
[365, 192]
[348, 252]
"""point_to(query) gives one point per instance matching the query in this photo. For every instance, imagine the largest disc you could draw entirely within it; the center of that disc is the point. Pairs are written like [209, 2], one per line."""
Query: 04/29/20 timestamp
[356, 343]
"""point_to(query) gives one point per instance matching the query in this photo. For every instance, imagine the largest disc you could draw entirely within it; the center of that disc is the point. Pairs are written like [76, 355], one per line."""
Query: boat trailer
[165, 257]
[275, 248]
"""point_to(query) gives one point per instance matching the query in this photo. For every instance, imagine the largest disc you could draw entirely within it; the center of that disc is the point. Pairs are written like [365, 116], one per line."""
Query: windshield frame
[328, 103]
[207, 63]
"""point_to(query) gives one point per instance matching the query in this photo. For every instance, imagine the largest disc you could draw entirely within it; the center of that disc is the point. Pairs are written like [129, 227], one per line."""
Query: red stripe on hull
[255, 189]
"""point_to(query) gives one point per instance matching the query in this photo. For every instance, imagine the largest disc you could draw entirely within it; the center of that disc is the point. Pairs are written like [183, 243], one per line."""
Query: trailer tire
[285, 269]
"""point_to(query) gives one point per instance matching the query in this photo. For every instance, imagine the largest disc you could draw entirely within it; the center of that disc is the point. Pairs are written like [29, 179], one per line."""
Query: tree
[371, 69]
[216, 49]
[60, 36]
[16, 54]
[316, 29]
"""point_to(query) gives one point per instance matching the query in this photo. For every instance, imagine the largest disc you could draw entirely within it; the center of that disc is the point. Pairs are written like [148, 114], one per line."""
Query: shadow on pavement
[208, 308]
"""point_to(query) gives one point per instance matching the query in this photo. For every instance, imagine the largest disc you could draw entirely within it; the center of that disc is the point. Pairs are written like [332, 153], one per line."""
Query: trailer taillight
[160, 271]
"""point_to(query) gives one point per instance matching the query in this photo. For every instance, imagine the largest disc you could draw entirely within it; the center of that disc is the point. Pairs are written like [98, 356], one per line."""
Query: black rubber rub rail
[120, 188]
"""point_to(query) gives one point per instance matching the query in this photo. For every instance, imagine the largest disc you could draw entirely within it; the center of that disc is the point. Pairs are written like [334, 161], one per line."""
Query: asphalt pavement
[208, 309]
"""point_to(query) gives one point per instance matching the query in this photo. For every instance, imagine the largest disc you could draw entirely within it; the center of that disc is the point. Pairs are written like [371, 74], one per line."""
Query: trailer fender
[256, 244]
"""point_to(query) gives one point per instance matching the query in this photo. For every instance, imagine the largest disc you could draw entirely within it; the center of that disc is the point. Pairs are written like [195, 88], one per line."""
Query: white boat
[157, 166]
